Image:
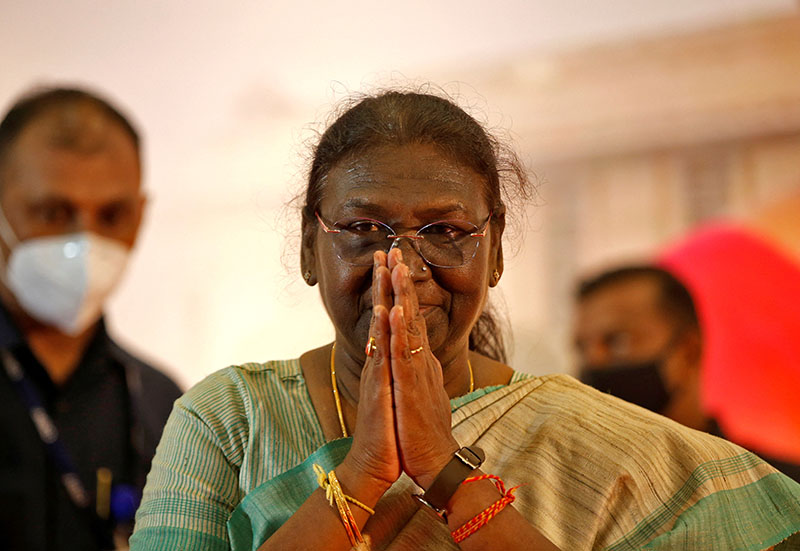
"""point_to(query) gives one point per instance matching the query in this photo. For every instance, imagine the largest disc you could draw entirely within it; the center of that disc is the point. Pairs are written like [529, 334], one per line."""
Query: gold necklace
[336, 388]
[336, 391]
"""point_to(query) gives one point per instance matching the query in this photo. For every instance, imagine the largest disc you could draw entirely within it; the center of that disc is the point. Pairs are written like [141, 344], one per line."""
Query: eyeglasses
[444, 244]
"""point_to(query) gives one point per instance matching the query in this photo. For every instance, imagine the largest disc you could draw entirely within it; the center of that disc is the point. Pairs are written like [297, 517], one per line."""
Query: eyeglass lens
[447, 243]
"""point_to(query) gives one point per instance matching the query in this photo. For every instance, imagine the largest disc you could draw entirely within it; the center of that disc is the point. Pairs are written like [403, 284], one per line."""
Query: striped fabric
[235, 461]
[600, 473]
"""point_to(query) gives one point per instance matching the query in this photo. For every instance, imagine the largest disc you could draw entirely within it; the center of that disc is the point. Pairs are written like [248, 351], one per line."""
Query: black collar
[96, 357]
[10, 335]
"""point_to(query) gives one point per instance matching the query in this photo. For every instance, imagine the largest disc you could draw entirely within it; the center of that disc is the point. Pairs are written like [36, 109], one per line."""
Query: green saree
[597, 473]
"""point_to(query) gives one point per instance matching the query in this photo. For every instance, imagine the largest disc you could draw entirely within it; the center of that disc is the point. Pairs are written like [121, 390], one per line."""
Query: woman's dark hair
[395, 118]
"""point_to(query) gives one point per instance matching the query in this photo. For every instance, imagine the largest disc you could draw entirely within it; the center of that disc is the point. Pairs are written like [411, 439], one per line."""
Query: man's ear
[498, 225]
[308, 261]
[688, 351]
[141, 204]
[692, 348]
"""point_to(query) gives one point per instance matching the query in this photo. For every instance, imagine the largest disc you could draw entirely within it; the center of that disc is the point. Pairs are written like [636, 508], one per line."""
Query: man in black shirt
[79, 416]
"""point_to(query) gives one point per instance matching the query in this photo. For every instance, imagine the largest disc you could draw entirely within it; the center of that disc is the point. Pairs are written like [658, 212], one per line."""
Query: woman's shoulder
[578, 409]
[241, 384]
[631, 474]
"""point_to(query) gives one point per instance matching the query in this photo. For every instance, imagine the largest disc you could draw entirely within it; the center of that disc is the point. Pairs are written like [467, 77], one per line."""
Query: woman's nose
[417, 266]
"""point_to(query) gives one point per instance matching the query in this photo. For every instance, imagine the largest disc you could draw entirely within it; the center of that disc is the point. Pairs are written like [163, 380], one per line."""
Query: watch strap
[462, 464]
[441, 514]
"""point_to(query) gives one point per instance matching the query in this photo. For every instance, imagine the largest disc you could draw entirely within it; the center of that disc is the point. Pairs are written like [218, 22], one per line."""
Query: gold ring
[417, 350]
[371, 347]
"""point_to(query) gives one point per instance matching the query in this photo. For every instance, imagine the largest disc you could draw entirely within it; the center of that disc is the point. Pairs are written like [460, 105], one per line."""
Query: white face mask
[63, 280]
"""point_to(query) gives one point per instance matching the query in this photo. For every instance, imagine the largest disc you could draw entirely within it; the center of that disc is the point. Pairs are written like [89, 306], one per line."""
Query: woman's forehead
[415, 174]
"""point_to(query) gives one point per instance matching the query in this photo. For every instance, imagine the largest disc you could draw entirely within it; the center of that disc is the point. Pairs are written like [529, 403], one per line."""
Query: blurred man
[79, 416]
[638, 337]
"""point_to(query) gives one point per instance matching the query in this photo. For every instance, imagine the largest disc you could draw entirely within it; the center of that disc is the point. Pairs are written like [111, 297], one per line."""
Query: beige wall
[620, 132]
[633, 141]
[656, 136]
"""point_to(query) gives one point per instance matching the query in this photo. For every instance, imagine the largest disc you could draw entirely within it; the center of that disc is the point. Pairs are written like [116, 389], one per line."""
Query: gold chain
[336, 388]
[336, 391]
[471, 378]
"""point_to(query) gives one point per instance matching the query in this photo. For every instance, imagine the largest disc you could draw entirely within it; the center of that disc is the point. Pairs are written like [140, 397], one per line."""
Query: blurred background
[640, 119]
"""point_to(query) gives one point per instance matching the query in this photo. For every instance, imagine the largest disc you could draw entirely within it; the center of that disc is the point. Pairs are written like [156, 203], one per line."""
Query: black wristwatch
[463, 463]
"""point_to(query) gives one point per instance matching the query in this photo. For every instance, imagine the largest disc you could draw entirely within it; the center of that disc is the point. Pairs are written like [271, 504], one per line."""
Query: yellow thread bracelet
[334, 494]
[322, 480]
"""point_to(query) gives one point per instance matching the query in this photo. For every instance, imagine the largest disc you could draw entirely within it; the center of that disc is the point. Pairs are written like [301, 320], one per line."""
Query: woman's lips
[426, 309]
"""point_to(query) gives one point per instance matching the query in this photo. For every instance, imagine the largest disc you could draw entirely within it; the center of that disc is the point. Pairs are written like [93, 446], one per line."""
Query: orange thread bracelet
[482, 518]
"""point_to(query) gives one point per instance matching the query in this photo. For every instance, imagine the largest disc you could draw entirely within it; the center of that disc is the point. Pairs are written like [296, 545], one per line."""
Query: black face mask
[638, 383]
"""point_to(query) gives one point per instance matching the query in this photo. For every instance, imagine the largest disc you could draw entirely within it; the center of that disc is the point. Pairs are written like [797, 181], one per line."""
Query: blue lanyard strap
[47, 432]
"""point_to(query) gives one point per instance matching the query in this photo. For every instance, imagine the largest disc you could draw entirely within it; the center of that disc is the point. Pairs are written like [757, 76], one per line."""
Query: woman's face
[406, 187]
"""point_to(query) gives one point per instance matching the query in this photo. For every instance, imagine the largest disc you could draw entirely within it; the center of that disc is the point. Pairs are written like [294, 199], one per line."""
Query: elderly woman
[409, 431]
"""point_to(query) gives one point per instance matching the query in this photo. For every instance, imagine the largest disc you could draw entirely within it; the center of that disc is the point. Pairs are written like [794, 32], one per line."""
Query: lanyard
[47, 432]
[55, 447]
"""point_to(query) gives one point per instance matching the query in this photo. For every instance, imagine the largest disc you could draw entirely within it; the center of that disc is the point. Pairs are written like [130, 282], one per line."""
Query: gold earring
[496, 276]
[307, 275]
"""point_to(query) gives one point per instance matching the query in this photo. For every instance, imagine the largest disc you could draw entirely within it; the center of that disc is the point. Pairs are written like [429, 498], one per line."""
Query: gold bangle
[335, 495]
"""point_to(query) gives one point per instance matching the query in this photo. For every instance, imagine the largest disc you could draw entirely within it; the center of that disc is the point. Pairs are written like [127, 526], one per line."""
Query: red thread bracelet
[482, 518]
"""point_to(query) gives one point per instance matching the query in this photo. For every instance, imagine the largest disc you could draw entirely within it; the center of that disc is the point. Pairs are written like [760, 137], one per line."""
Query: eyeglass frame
[416, 237]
